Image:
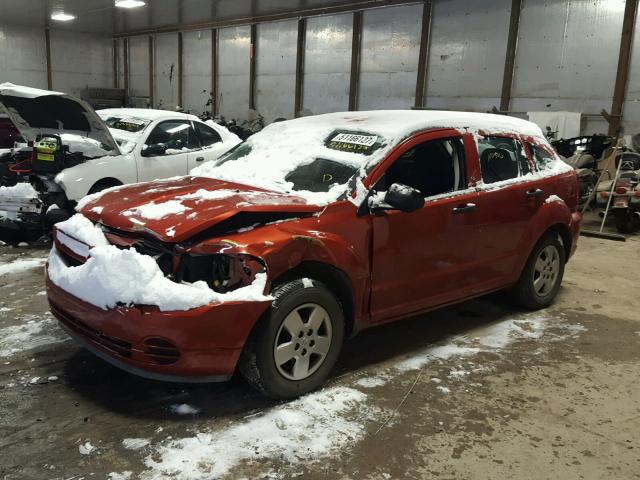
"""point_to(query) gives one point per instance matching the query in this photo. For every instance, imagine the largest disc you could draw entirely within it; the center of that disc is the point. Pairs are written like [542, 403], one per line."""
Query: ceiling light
[130, 3]
[62, 16]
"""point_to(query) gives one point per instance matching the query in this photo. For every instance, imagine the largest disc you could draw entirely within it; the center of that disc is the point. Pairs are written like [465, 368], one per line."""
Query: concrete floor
[480, 390]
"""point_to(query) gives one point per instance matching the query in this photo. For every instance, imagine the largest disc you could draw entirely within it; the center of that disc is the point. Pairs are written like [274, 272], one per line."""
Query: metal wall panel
[22, 56]
[468, 50]
[166, 71]
[233, 64]
[197, 70]
[327, 64]
[567, 56]
[120, 62]
[80, 60]
[389, 58]
[276, 69]
[139, 66]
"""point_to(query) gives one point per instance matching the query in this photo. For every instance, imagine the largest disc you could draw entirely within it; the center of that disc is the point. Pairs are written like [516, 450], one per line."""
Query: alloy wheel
[303, 341]
[546, 270]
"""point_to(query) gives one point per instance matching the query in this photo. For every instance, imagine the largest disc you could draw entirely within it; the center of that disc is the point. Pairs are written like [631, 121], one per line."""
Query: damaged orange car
[267, 259]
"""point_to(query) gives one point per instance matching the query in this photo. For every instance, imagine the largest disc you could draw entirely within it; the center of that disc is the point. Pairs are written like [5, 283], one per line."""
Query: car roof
[396, 124]
[147, 113]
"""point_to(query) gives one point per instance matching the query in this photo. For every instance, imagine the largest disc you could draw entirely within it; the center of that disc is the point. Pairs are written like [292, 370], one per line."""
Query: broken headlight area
[223, 273]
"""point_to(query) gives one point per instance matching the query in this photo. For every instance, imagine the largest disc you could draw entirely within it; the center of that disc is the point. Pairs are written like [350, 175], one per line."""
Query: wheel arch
[333, 278]
[105, 182]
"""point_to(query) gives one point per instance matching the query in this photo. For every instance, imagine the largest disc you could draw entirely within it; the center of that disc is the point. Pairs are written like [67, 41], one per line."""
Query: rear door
[427, 257]
[509, 196]
[166, 150]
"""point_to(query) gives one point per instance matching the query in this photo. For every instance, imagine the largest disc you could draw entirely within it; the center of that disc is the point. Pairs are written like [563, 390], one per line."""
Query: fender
[548, 215]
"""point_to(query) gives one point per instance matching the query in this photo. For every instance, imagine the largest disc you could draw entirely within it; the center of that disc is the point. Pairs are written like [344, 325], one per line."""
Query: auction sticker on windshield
[353, 142]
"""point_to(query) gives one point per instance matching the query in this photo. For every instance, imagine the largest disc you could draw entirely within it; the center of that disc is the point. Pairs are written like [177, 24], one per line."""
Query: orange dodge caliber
[268, 258]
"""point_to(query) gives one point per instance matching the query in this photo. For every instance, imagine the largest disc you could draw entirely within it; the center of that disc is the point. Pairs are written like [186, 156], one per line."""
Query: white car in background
[153, 144]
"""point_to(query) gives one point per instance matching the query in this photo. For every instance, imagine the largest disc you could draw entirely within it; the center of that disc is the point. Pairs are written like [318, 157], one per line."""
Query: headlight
[222, 272]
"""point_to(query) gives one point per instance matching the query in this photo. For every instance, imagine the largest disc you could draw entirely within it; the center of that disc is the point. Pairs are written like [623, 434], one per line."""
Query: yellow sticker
[45, 157]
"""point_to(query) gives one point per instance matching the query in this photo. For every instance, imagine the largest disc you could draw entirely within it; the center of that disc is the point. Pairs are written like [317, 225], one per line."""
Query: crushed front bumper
[198, 345]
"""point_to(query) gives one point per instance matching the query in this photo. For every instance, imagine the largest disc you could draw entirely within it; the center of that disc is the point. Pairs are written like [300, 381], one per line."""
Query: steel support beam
[116, 56]
[300, 13]
[47, 47]
[151, 72]
[214, 72]
[624, 59]
[125, 57]
[423, 56]
[252, 66]
[300, 50]
[510, 60]
[356, 41]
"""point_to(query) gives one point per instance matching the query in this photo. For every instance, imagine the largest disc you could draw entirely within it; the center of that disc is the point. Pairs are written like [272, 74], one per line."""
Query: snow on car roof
[354, 139]
[145, 113]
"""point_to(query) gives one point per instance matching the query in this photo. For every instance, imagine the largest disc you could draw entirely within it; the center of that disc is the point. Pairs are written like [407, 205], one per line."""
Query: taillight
[637, 194]
[621, 190]
[604, 194]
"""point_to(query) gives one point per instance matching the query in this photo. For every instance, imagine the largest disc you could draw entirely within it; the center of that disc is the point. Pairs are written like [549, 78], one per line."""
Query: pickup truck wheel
[294, 347]
[542, 275]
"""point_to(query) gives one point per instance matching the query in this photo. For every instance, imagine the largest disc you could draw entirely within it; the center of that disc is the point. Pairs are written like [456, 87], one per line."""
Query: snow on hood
[112, 276]
[35, 112]
[174, 210]
[265, 159]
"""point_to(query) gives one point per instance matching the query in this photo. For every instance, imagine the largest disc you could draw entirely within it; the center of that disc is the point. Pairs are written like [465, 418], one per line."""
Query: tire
[103, 184]
[624, 220]
[258, 363]
[546, 259]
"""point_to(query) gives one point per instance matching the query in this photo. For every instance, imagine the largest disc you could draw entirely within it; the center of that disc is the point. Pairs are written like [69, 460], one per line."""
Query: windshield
[315, 161]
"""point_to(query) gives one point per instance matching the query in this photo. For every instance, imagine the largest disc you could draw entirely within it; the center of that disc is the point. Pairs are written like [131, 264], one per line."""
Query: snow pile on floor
[307, 429]
[86, 448]
[21, 265]
[112, 276]
[156, 211]
[135, 443]
[19, 190]
[184, 409]
[31, 332]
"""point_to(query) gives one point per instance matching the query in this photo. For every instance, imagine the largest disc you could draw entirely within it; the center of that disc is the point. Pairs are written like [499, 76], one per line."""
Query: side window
[433, 167]
[542, 157]
[208, 136]
[171, 137]
[501, 158]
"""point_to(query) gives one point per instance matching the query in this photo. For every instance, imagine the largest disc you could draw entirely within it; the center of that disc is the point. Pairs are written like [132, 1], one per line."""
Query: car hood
[35, 112]
[179, 209]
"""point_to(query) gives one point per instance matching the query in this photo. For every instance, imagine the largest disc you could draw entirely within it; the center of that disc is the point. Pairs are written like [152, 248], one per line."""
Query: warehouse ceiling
[102, 16]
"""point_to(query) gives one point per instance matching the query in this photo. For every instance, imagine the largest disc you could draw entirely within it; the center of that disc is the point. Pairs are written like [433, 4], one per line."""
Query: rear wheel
[542, 275]
[294, 347]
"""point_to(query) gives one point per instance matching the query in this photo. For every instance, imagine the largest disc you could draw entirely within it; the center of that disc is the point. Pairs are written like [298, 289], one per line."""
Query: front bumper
[198, 345]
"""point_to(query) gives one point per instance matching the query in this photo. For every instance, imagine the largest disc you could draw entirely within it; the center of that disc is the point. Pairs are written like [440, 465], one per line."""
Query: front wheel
[294, 347]
[542, 275]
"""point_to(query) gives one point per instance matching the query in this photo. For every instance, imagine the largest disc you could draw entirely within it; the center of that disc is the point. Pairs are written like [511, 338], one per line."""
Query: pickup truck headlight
[222, 272]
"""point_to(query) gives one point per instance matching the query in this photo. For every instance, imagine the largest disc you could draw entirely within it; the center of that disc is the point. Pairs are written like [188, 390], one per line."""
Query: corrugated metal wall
[568, 56]
[327, 64]
[197, 70]
[389, 57]
[166, 71]
[276, 69]
[468, 50]
[233, 67]
[566, 60]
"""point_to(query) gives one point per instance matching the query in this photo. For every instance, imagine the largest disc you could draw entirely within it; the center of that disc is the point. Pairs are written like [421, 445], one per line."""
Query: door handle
[469, 207]
[534, 193]
[200, 159]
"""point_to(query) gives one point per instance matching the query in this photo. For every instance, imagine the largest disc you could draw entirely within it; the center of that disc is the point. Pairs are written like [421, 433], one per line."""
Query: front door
[166, 150]
[427, 257]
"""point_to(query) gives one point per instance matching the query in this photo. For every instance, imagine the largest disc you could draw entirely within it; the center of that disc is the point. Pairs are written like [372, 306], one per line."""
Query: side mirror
[404, 198]
[153, 150]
